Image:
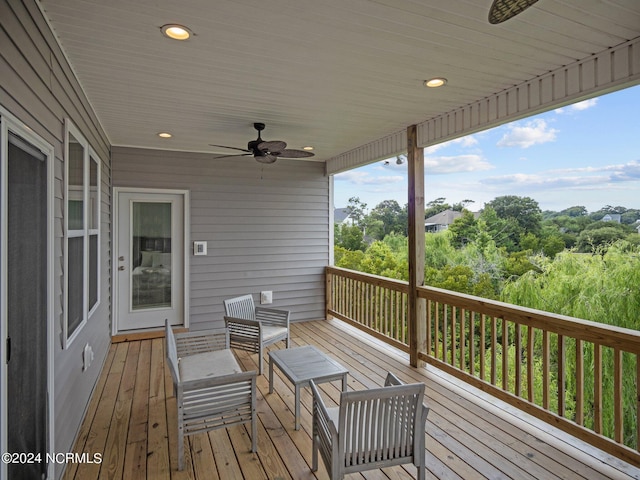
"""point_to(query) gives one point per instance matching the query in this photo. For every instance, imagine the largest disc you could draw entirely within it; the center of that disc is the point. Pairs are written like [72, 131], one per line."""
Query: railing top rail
[607, 335]
[377, 280]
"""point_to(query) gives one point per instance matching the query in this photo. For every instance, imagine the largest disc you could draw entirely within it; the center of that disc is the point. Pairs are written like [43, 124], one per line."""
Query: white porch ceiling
[341, 75]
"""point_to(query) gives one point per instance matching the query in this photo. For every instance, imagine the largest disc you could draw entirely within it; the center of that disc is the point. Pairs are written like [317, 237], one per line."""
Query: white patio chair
[252, 328]
[371, 429]
[212, 391]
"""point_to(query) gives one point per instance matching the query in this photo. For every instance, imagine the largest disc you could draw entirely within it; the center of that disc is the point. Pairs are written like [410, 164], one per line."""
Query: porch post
[416, 307]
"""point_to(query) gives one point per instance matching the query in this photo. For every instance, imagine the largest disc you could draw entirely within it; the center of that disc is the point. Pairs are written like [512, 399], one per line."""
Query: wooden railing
[578, 375]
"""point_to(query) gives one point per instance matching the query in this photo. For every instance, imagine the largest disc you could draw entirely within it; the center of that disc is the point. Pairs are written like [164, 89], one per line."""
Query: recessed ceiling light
[435, 82]
[309, 147]
[176, 32]
[165, 135]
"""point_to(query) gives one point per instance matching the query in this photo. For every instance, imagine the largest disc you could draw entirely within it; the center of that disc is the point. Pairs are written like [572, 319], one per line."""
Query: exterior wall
[266, 226]
[38, 87]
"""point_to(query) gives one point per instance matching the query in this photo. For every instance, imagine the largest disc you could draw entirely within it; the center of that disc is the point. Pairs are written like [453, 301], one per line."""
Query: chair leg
[260, 360]
[180, 442]
[314, 454]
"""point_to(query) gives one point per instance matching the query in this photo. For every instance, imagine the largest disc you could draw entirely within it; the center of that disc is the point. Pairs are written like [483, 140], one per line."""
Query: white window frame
[89, 203]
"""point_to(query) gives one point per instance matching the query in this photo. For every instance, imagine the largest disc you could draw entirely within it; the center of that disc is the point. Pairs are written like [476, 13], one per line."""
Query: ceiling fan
[266, 152]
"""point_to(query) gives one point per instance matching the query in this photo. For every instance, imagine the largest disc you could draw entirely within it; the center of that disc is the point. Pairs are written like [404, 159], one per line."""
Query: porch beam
[416, 306]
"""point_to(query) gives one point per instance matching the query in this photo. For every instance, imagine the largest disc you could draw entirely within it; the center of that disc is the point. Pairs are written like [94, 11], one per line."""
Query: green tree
[357, 210]
[524, 210]
[435, 206]
[391, 216]
[351, 259]
[600, 234]
[464, 229]
[349, 237]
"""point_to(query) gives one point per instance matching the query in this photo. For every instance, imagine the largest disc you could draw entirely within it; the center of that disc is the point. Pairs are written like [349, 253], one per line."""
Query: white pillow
[161, 260]
[147, 259]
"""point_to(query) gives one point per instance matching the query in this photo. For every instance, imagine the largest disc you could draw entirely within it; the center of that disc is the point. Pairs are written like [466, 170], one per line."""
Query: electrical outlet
[87, 357]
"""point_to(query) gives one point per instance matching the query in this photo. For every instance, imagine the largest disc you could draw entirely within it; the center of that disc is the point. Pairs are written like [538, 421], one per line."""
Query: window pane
[94, 197]
[151, 255]
[93, 271]
[76, 283]
[75, 184]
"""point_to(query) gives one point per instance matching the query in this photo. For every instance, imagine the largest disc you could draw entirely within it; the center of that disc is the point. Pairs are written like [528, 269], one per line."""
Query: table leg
[297, 427]
[270, 375]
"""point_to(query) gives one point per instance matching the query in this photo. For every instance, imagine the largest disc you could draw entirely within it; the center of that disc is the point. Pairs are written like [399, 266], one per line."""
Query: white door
[149, 259]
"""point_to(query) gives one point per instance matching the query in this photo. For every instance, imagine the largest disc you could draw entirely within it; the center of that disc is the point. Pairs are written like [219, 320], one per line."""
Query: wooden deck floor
[131, 421]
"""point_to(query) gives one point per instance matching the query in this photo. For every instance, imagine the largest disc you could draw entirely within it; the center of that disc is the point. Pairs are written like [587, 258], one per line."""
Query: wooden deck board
[131, 420]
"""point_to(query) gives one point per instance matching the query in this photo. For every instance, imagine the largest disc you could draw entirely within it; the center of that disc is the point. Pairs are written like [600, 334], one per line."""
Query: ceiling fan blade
[236, 155]
[295, 154]
[232, 148]
[265, 158]
[274, 147]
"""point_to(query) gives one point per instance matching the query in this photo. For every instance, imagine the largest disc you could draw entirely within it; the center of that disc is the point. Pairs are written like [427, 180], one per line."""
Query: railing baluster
[579, 382]
[597, 387]
[494, 353]
[472, 343]
[505, 355]
[454, 324]
[617, 395]
[530, 363]
[518, 360]
[561, 377]
[483, 343]
[463, 336]
[545, 369]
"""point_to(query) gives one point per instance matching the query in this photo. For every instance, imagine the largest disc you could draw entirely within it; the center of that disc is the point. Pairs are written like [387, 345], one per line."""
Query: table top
[301, 364]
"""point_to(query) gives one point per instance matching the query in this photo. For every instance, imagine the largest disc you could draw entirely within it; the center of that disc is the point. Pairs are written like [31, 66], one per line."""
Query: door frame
[114, 261]
[8, 122]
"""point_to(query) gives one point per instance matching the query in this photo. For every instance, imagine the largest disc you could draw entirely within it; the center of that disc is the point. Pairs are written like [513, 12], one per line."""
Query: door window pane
[151, 255]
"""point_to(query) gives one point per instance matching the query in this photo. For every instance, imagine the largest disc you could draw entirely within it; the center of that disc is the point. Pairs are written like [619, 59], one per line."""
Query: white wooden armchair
[252, 328]
[370, 429]
[210, 387]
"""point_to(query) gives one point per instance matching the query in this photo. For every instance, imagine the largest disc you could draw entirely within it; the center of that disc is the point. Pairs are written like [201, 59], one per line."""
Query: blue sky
[585, 154]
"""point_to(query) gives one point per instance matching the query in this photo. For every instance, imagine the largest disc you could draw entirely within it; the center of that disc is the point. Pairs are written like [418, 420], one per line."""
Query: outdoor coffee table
[302, 364]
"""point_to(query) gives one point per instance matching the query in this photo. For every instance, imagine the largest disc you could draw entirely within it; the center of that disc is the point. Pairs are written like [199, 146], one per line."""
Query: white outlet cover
[266, 297]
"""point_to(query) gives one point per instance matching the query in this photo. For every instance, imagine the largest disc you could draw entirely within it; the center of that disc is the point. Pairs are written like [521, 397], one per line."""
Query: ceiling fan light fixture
[435, 82]
[176, 32]
[308, 148]
[503, 10]
[165, 135]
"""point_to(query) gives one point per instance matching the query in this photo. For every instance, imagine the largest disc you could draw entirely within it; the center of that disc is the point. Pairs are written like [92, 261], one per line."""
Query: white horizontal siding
[266, 226]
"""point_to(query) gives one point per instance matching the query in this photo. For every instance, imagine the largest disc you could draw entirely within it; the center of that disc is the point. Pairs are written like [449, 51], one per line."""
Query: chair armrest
[273, 316]
[326, 428]
[192, 343]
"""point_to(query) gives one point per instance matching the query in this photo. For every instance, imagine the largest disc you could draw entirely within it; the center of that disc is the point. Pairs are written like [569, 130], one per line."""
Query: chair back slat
[240, 307]
[379, 425]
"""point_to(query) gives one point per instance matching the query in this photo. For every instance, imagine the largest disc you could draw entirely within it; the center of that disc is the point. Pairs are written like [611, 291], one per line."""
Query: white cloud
[525, 136]
[571, 178]
[455, 164]
[465, 142]
[577, 107]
